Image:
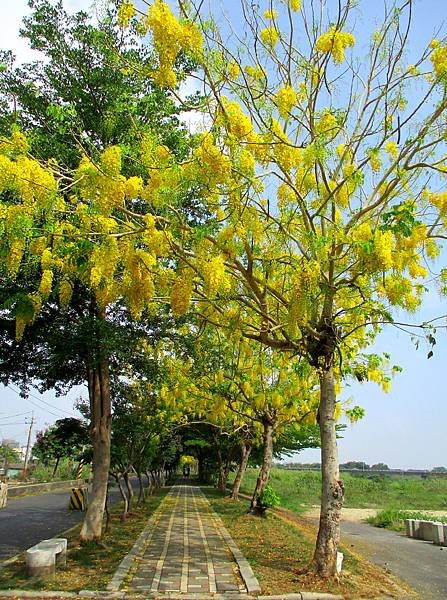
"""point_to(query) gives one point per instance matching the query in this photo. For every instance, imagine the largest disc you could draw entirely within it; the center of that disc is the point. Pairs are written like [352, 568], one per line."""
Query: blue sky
[405, 428]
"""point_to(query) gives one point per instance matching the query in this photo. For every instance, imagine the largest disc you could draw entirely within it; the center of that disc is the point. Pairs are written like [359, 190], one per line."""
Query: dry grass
[89, 566]
[280, 548]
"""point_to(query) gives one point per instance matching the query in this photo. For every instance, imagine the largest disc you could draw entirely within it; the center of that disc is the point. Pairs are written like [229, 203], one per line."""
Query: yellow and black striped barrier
[78, 499]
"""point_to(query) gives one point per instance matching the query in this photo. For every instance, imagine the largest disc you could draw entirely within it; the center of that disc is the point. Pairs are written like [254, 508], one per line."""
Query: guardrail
[38, 488]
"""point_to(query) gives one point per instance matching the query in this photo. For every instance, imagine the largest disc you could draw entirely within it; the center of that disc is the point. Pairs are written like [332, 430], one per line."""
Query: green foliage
[66, 438]
[300, 490]
[394, 519]
[66, 470]
[10, 455]
[269, 498]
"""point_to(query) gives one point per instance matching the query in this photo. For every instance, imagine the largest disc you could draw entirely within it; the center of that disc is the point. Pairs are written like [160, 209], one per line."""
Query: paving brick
[202, 565]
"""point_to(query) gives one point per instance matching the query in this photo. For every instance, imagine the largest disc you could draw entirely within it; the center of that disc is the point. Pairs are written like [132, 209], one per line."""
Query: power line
[61, 411]
[16, 415]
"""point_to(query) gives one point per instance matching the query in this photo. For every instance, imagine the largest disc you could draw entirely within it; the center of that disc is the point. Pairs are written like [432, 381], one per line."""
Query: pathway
[185, 549]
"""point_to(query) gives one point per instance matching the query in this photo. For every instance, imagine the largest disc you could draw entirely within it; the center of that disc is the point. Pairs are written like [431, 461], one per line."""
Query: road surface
[421, 564]
[31, 519]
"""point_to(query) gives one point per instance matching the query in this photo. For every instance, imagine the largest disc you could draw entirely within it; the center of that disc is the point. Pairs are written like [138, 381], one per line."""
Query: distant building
[11, 443]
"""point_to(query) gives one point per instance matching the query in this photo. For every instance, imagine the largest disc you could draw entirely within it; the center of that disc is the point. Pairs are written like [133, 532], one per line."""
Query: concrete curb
[101, 595]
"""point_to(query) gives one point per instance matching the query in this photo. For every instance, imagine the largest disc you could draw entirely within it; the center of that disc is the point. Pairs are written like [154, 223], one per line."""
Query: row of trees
[290, 229]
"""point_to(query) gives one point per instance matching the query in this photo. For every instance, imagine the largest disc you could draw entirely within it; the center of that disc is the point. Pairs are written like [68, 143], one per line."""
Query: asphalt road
[421, 564]
[31, 519]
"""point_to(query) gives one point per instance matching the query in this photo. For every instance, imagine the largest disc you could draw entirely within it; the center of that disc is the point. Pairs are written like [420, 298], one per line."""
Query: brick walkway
[185, 549]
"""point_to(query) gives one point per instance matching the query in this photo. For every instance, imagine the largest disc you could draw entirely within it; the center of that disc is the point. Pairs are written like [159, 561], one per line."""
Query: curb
[101, 595]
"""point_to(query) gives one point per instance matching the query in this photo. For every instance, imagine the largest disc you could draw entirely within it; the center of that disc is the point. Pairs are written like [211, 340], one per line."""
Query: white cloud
[11, 22]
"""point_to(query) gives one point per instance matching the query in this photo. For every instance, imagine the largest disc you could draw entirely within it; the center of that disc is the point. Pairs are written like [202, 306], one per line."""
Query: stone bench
[430, 531]
[41, 559]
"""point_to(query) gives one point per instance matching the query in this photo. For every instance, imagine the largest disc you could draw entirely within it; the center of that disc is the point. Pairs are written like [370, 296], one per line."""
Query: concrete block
[39, 562]
[339, 561]
[3, 494]
[409, 527]
[417, 530]
[437, 533]
[41, 559]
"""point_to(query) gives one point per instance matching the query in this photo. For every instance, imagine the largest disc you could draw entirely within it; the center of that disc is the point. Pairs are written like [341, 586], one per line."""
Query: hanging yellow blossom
[181, 295]
[375, 160]
[286, 99]
[294, 5]
[269, 36]
[439, 59]
[327, 124]
[46, 283]
[335, 42]
[270, 15]
[391, 149]
[125, 13]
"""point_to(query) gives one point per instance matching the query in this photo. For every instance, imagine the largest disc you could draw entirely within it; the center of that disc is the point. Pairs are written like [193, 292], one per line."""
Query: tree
[324, 182]
[71, 105]
[380, 467]
[319, 172]
[8, 454]
[66, 438]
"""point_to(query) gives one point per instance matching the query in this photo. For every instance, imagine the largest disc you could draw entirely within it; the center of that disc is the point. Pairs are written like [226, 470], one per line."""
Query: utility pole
[28, 444]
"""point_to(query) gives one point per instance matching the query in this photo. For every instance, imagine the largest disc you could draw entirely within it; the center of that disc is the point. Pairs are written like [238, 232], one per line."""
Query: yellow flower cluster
[391, 149]
[46, 283]
[439, 60]
[270, 15]
[65, 292]
[181, 295]
[133, 187]
[295, 5]
[110, 161]
[170, 36]
[214, 167]
[383, 249]
[270, 36]
[286, 99]
[304, 282]
[15, 254]
[19, 143]
[375, 160]
[214, 275]
[335, 42]
[237, 123]
[125, 13]
[327, 124]
[400, 292]
[138, 281]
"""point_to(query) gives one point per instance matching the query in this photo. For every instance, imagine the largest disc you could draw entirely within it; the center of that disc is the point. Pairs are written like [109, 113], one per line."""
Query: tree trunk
[150, 482]
[130, 492]
[56, 465]
[222, 479]
[245, 455]
[324, 561]
[100, 430]
[123, 496]
[141, 490]
[267, 459]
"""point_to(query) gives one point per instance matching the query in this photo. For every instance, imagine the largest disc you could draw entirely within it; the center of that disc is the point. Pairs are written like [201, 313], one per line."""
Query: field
[300, 490]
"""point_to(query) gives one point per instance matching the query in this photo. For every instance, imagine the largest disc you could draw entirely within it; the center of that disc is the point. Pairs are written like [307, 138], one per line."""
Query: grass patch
[278, 550]
[90, 566]
[394, 519]
[300, 490]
